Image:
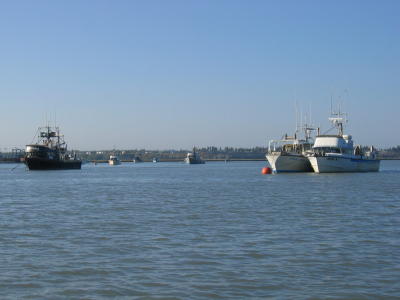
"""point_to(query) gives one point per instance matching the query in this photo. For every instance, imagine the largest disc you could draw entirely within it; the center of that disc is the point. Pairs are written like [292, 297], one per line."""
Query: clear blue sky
[172, 74]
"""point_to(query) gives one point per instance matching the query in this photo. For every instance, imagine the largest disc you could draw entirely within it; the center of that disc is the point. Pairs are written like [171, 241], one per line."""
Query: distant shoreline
[210, 153]
[179, 160]
[102, 161]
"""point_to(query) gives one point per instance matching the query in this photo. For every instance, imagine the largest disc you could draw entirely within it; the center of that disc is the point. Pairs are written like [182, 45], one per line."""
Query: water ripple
[216, 231]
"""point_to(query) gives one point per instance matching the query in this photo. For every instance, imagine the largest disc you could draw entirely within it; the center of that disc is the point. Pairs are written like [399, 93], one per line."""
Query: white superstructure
[336, 153]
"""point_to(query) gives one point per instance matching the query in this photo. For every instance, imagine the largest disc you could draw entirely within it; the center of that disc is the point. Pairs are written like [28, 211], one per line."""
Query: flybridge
[50, 136]
[49, 132]
[338, 119]
[45, 134]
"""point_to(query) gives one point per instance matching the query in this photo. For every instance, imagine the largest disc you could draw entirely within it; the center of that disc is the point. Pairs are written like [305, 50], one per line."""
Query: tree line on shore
[207, 153]
[390, 153]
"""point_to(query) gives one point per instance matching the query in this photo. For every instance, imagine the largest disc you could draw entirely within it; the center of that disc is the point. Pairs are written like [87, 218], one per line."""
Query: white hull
[114, 163]
[331, 164]
[288, 163]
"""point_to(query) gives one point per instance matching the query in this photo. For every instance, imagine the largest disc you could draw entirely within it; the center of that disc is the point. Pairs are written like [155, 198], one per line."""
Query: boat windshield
[298, 148]
[38, 151]
[322, 150]
[32, 149]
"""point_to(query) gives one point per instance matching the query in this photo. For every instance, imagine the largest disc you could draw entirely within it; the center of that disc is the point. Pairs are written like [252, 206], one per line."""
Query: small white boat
[336, 153]
[288, 154]
[155, 160]
[114, 160]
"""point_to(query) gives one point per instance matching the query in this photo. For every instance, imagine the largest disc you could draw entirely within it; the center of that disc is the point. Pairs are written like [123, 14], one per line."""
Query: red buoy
[266, 170]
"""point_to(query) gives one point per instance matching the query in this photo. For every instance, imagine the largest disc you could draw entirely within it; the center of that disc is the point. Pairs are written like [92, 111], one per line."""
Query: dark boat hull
[192, 161]
[52, 164]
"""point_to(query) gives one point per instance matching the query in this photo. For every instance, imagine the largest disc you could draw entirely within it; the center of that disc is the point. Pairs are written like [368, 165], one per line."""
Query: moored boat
[193, 158]
[50, 152]
[114, 160]
[288, 153]
[137, 159]
[336, 153]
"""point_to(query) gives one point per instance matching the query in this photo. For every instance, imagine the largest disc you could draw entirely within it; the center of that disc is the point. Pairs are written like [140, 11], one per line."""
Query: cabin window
[327, 150]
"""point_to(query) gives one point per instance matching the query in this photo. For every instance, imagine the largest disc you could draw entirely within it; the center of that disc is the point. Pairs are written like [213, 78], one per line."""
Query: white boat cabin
[333, 144]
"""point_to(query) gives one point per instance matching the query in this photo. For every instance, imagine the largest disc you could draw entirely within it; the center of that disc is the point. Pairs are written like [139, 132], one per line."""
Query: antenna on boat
[301, 118]
[338, 118]
[298, 126]
[297, 121]
[36, 134]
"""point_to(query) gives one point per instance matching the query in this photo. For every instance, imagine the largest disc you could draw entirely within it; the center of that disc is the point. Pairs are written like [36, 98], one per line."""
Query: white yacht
[288, 154]
[336, 153]
[114, 160]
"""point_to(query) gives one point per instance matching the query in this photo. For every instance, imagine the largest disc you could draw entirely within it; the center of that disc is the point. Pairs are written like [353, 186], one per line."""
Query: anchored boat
[114, 160]
[193, 158]
[288, 153]
[336, 153]
[137, 159]
[50, 152]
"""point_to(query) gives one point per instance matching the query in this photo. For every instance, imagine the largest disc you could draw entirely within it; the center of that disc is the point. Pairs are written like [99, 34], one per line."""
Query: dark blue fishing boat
[50, 152]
